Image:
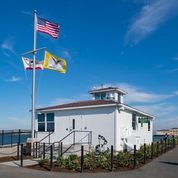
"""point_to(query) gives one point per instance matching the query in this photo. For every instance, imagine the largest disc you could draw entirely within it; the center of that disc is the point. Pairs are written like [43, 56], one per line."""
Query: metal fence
[12, 137]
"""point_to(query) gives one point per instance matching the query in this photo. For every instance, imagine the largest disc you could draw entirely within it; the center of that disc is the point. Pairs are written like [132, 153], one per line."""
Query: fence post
[111, 157]
[168, 143]
[161, 146]
[33, 150]
[144, 156]
[173, 141]
[19, 136]
[44, 151]
[18, 145]
[36, 149]
[165, 145]
[21, 156]
[81, 159]
[157, 149]
[11, 138]
[51, 157]
[2, 138]
[134, 163]
[61, 148]
[152, 150]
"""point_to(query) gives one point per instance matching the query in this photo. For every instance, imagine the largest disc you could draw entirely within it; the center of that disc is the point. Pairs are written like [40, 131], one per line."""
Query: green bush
[124, 159]
[61, 162]
[43, 162]
[90, 161]
[103, 160]
[73, 162]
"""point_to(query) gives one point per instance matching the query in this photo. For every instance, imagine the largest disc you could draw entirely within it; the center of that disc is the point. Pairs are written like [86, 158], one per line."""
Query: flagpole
[34, 78]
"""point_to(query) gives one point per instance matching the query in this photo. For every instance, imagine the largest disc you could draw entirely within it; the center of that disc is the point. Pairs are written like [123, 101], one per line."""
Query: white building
[105, 115]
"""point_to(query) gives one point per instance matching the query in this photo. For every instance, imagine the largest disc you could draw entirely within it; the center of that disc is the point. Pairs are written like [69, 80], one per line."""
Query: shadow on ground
[171, 163]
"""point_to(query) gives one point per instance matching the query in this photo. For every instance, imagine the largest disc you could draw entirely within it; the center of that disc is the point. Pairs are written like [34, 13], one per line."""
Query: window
[148, 125]
[41, 122]
[134, 121]
[50, 122]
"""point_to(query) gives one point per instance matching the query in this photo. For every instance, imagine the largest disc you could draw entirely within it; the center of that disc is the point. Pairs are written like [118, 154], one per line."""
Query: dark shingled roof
[80, 104]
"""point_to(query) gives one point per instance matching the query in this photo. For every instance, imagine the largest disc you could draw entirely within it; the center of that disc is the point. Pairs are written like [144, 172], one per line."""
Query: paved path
[166, 166]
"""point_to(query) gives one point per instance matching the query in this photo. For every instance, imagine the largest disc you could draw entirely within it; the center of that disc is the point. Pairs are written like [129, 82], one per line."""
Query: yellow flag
[52, 62]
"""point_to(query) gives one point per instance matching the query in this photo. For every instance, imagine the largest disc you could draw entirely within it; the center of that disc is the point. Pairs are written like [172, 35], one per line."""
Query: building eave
[136, 110]
[74, 108]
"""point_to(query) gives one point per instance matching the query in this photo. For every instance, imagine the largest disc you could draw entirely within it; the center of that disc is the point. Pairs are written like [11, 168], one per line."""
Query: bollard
[51, 157]
[161, 146]
[111, 158]
[21, 156]
[44, 151]
[81, 159]
[144, 156]
[18, 145]
[165, 146]
[157, 149]
[134, 163]
[168, 142]
[152, 150]
[61, 148]
[36, 148]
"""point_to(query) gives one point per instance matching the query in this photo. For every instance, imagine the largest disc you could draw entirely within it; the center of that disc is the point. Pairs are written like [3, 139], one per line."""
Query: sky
[132, 44]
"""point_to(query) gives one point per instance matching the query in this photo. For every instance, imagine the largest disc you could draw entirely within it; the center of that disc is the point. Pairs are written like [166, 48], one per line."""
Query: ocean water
[158, 137]
[14, 139]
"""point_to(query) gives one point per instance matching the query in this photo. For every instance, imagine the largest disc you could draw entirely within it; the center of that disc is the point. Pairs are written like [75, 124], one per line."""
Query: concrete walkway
[166, 166]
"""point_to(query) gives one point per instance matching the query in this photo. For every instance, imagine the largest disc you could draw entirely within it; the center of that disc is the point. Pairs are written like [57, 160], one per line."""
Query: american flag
[48, 27]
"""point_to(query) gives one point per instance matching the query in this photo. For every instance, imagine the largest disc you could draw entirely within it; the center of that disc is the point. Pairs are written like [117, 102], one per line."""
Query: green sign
[143, 120]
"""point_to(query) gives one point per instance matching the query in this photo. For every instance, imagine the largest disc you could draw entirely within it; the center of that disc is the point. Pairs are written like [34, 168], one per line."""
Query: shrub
[124, 159]
[90, 161]
[73, 162]
[43, 162]
[103, 160]
[61, 162]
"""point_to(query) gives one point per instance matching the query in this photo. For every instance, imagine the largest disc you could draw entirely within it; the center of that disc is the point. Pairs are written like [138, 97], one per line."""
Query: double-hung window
[46, 122]
[41, 122]
[50, 122]
[134, 121]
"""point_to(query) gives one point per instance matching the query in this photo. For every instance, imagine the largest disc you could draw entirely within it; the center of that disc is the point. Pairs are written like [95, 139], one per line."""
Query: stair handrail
[46, 137]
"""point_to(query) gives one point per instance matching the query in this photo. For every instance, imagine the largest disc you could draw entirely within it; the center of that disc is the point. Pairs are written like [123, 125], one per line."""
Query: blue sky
[132, 44]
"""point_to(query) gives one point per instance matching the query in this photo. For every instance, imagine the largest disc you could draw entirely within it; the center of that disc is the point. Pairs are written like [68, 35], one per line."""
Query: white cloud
[13, 79]
[66, 54]
[150, 18]
[8, 46]
[159, 110]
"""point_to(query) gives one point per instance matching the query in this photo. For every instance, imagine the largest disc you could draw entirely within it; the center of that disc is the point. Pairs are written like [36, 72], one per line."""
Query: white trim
[105, 90]
[136, 110]
[79, 107]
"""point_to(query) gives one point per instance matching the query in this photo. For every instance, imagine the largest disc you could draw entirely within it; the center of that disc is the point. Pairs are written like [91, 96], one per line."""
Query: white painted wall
[106, 121]
[98, 120]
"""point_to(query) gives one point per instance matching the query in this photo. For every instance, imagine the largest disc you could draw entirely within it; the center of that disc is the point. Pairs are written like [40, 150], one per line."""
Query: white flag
[28, 64]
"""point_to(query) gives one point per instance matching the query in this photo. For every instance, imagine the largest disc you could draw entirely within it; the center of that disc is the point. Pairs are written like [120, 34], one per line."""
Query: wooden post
[81, 159]
[144, 156]
[135, 159]
[111, 157]
[51, 157]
